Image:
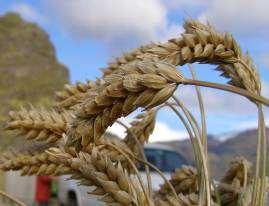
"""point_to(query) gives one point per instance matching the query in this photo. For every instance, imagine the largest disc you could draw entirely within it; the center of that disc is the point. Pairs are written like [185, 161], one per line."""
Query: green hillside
[29, 69]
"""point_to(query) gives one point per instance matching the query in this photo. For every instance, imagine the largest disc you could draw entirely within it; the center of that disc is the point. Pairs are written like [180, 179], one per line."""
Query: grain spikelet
[75, 94]
[103, 145]
[111, 180]
[126, 58]
[202, 43]
[184, 200]
[39, 124]
[95, 116]
[231, 187]
[237, 168]
[184, 180]
[32, 164]
[141, 128]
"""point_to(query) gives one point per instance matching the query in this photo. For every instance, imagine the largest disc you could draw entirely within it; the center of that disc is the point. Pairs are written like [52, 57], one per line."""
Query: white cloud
[176, 4]
[252, 124]
[115, 22]
[119, 130]
[241, 16]
[28, 12]
[162, 132]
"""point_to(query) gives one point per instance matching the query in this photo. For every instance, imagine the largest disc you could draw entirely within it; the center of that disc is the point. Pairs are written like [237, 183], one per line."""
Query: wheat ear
[103, 145]
[112, 182]
[32, 164]
[183, 200]
[236, 182]
[146, 84]
[142, 127]
[39, 124]
[200, 43]
[75, 94]
[184, 180]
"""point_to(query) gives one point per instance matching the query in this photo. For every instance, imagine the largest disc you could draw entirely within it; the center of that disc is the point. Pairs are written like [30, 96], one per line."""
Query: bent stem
[159, 172]
[134, 167]
[13, 199]
[263, 156]
[202, 110]
[233, 89]
[203, 163]
[188, 129]
[141, 150]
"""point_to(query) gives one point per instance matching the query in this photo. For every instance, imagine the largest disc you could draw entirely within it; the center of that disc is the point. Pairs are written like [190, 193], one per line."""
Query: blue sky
[89, 33]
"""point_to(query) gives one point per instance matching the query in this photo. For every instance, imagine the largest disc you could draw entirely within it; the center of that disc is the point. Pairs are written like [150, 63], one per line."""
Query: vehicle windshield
[166, 161]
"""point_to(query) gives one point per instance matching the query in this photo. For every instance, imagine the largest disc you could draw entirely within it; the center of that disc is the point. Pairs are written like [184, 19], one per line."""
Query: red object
[42, 189]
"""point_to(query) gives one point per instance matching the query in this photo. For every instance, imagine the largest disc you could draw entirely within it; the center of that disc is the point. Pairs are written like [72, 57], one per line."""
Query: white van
[164, 157]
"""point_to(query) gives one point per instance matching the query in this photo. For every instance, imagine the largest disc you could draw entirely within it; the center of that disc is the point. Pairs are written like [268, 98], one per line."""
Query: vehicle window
[171, 161]
[166, 161]
[155, 157]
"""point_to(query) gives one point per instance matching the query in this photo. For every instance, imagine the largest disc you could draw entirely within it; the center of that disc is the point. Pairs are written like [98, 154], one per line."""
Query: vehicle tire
[72, 203]
[72, 199]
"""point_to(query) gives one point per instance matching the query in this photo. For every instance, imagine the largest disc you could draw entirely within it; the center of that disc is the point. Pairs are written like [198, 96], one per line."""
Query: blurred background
[46, 44]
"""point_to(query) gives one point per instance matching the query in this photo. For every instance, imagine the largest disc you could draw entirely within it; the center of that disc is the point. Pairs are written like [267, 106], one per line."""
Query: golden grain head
[184, 180]
[239, 166]
[235, 186]
[152, 86]
[32, 164]
[39, 124]
[112, 182]
[202, 43]
[141, 128]
[75, 94]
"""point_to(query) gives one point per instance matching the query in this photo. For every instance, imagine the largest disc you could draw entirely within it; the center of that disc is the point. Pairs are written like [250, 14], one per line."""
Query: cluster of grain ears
[75, 131]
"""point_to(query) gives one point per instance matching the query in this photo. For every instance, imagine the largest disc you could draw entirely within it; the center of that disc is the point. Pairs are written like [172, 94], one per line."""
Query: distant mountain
[221, 152]
[29, 69]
